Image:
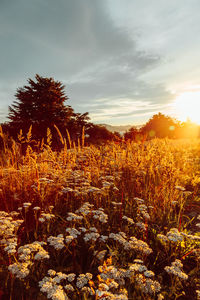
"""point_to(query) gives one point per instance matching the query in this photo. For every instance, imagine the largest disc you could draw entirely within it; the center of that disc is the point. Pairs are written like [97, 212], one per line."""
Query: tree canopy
[41, 104]
[160, 126]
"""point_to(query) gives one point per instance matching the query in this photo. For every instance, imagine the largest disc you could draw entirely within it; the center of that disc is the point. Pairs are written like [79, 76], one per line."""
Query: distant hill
[119, 128]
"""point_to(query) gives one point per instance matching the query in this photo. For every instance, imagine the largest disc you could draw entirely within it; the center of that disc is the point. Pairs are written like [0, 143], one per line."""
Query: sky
[121, 61]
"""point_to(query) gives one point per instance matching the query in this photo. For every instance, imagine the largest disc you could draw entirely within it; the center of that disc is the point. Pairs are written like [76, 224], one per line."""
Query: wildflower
[174, 202]
[147, 285]
[74, 217]
[93, 189]
[137, 268]
[160, 297]
[70, 277]
[42, 220]
[69, 239]
[113, 284]
[36, 208]
[47, 216]
[103, 238]
[198, 294]
[103, 287]
[42, 254]
[11, 247]
[148, 273]
[100, 215]
[91, 236]
[53, 290]
[82, 280]
[93, 229]
[129, 220]
[116, 203]
[20, 270]
[26, 204]
[162, 237]
[59, 277]
[69, 288]
[180, 188]
[88, 290]
[56, 242]
[139, 200]
[14, 214]
[141, 225]
[73, 232]
[85, 209]
[51, 272]
[174, 235]
[175, 269]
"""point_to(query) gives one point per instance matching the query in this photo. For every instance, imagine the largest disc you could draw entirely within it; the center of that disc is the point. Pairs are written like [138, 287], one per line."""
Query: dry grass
[139, 192]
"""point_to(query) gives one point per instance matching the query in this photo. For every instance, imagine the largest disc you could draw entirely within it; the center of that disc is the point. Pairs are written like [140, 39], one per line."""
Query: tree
[131, 134]
[40, 104]
[98, 133]
[161, 126]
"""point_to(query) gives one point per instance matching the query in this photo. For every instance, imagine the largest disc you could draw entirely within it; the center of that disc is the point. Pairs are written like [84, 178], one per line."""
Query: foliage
[116, 221]
[41, 104]
[98, 134]
[132, 134]
[160, 126]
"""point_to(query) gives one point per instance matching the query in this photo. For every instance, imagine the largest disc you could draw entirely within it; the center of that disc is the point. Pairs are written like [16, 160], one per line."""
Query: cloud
[99, 49]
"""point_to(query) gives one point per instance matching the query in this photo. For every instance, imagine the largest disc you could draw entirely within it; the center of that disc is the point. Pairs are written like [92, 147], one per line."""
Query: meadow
[114, 221]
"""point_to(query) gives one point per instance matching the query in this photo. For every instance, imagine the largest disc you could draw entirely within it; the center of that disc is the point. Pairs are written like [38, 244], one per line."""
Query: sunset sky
[122, 61]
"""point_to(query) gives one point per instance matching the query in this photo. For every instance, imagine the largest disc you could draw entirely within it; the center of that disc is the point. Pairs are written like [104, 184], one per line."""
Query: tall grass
[117, 221]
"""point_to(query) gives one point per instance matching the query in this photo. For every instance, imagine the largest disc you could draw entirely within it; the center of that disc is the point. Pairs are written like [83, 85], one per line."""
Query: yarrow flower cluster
[8, 231]
[176, 270]
[20, 269]
[174, 235]
[129, 220]
[26, 255]
[46, 217]
[56, 242]
[51, 287]
[132, 244]
[92, 235]
[74, 217]
[83, 279]
[85, 209]
[100, 215]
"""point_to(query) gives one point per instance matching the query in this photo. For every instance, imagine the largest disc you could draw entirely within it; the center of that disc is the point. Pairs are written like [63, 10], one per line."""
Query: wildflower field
[117, 221]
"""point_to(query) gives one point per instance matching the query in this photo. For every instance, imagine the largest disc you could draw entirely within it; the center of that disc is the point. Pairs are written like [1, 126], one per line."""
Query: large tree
[40, 104]
[161, 126]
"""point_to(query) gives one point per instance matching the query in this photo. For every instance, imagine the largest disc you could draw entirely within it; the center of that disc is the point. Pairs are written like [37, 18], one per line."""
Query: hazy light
[171, 128]
[187, 106]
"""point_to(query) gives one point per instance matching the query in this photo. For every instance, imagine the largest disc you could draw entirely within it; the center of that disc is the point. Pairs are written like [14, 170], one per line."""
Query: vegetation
[114, 221]
[105, 217]
[41, 105]
[162, 126]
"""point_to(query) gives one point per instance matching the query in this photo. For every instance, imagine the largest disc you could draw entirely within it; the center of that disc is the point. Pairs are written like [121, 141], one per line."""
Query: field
[117, 221]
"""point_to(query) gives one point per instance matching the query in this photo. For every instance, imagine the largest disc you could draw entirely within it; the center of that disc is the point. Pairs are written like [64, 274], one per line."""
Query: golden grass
[164, 173]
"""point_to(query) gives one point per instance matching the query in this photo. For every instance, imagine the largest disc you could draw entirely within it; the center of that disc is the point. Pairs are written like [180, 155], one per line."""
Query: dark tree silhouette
[131, 134]
[98, 133]
[77, 123]
[40, 104]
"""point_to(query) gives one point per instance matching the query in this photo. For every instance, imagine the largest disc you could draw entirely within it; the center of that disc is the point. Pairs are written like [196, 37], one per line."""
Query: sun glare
[187, 106]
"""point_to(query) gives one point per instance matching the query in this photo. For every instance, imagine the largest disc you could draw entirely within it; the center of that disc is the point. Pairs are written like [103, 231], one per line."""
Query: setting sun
[187, 106]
